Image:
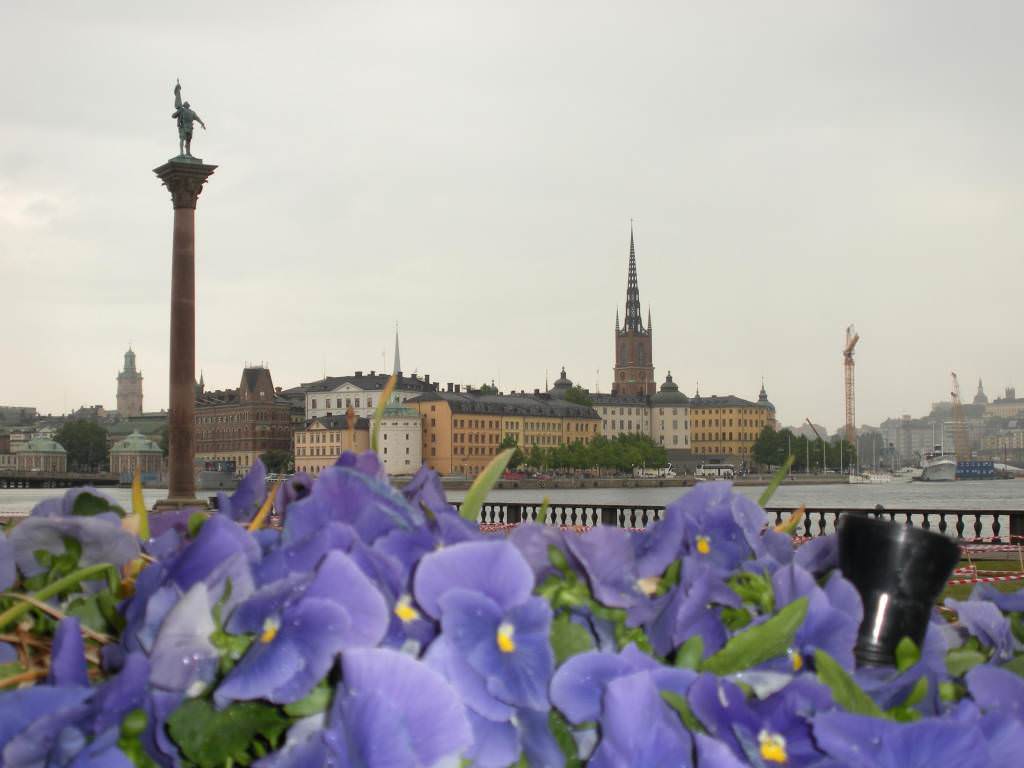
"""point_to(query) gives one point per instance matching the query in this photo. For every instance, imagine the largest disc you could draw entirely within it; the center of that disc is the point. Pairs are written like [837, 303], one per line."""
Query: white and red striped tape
[987, 579]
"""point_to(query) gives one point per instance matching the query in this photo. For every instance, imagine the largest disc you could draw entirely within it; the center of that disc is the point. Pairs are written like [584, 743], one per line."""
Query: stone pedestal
[184, 178]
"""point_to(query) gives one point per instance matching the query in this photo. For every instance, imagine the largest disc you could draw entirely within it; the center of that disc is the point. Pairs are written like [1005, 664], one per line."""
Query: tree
[277, 461]
[578, 395]
[86, 444]
[487, 389]
[165, 437]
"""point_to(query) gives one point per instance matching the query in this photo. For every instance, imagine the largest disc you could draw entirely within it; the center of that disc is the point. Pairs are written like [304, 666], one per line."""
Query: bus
[715, 471]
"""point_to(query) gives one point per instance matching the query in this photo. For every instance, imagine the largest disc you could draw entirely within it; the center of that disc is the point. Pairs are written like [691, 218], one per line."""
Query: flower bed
[379, 628]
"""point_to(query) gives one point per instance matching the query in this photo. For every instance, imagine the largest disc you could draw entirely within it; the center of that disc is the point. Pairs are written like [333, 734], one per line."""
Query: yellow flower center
[404, 611]
[796, 659]
[703, 544]
[270, 627]
[773, 747]
[504, 637]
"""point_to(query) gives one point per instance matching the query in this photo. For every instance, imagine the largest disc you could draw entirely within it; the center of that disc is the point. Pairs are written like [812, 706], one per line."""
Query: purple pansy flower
[859, 741]
[242, 505]
[389, 712]
[997, 690]
[609, 562]
[889, 687]
[101, 537]
[1009, 602]
[425, 490]
[773, 730]
[984, 621]
[299, 638]
[67, 657]
[833, 614]
[719, 526]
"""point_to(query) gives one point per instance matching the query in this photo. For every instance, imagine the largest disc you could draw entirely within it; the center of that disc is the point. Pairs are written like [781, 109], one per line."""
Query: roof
[669, 394]
[43, 445]
[141, 424]
[369, 381]
[509, 405]
[606, 399]
[339, 422]
[723, 401]
[135, 443]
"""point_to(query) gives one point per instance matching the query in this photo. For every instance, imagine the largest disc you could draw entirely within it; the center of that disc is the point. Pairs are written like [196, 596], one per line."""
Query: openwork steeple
[634, 322]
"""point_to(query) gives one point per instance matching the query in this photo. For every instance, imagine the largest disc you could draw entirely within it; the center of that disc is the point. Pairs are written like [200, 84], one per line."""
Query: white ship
[938, 465]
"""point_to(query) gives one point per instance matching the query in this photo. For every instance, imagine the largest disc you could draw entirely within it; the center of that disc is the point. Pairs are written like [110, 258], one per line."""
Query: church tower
[634, 363]
[129, 387]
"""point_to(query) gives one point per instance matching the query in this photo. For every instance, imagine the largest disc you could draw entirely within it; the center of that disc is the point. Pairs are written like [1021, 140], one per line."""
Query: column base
[169, 505]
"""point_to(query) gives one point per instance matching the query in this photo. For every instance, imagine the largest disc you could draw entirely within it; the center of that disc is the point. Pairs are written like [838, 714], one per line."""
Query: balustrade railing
[998, 525]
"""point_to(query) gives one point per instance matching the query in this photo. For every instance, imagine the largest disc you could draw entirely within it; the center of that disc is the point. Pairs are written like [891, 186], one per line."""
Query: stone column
[184, 178]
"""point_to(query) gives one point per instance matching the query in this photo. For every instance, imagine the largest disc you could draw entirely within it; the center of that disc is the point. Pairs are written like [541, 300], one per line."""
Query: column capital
[184, 177]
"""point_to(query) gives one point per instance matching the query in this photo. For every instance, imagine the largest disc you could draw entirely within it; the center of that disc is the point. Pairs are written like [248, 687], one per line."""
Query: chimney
[450, 386]
[536, 391]
[399, 374]
[415, 377]
[277, 389]
[373, 373]
[427, 378]
[458, 388]
[359, 373]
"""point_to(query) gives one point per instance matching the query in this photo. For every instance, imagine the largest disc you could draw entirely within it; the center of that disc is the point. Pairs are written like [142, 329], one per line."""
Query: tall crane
[852, 337]
[960, 439]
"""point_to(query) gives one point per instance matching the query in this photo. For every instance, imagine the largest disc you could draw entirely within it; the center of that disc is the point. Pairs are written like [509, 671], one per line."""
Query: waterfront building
[136, 451]
[151, 426]
[336, 394]
[1009, 406]
[400, 439]
[980, 398]
[634, 361]
[727, 426]
[14, 415]
[239, 425]
[324, 438]
[461, 431]
[670, 417]
[41, 454]
[129, 387]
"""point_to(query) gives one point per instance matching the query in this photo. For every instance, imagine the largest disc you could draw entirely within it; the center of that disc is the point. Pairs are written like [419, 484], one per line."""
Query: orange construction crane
[852, 337]
[960, 439]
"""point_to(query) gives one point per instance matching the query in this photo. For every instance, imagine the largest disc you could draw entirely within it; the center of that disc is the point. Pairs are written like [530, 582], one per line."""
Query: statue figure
[185, 116]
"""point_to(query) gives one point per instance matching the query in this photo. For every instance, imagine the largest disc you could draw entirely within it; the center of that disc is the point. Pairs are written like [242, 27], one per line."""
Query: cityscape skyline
[785, 183]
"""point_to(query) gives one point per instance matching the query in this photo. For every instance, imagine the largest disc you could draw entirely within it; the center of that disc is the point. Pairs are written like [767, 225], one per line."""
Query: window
[369, 402]
[357, 402]
[314, 403]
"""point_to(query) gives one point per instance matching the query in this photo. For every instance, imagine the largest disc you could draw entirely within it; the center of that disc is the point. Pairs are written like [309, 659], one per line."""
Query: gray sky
[468, 170]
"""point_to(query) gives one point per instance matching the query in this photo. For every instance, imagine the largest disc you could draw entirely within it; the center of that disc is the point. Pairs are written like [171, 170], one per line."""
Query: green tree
[278, 461]
[86, 444]
[578, 395]
[518, 457]
[487, 389]
[165, 438]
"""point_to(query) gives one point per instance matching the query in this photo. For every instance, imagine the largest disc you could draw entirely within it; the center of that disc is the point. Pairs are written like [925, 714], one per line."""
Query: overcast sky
[468, 171]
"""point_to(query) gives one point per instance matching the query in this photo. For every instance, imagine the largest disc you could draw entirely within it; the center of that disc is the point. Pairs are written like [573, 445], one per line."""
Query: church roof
[669, 394]
[43, 445]
[135, 443]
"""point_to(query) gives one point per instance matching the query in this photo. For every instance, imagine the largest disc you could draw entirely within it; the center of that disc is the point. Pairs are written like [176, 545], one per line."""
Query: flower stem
[55, 588]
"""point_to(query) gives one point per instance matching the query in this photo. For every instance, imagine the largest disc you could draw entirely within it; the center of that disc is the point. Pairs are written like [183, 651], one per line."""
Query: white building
[334, 395]
[400, 440]
[670, 417]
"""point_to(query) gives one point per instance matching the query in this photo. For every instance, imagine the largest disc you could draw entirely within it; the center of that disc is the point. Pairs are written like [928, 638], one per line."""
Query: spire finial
[633, 321]
[398, 359]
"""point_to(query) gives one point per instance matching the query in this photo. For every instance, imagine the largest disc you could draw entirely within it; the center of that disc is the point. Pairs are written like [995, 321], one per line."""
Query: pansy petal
[67, 657]
[494, 568]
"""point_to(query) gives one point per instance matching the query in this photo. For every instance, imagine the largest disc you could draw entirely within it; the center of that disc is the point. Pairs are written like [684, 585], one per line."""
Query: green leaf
[669, 578]
[477, 493]
[558, 559]
[210, 738]
[542, 513]
[378, 412]
[130, 743]
[846, 693]
[682, 708]
[951, 692]
[907, 654]
[563, 737]
[759, 643]
[777, 479]
[960, 660]
[917, 694]
[1017, 625]
[569, 638]
[755, 589]
[1015, 665]
[690, 653]
[195, 522]
[87, 505]
[316, 702]
[735, 618]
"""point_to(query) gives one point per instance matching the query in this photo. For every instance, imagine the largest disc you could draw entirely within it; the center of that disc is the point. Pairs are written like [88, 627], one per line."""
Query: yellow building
[728, 426]
[1007, 407]
[462, 430]
[325, 438]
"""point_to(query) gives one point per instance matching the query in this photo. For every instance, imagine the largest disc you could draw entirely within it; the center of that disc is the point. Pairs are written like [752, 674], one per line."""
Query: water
[962, 496]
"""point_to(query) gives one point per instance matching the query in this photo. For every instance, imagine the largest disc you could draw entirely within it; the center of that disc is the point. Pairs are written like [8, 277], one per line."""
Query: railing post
[609, 515]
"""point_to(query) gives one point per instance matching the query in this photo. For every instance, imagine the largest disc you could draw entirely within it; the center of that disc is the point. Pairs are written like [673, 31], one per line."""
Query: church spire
[633, 320]
[398, 360]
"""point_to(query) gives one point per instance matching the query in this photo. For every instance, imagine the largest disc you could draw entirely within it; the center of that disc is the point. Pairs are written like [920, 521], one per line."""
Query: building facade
[400, 439]
[1009, 406]
[238, 425]
[670, 417]
[726, 427]
[324, 438]
[129, 387]
[137, 452]
[42, 455]
[336, 394]
[634, 360]
[461, 431]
